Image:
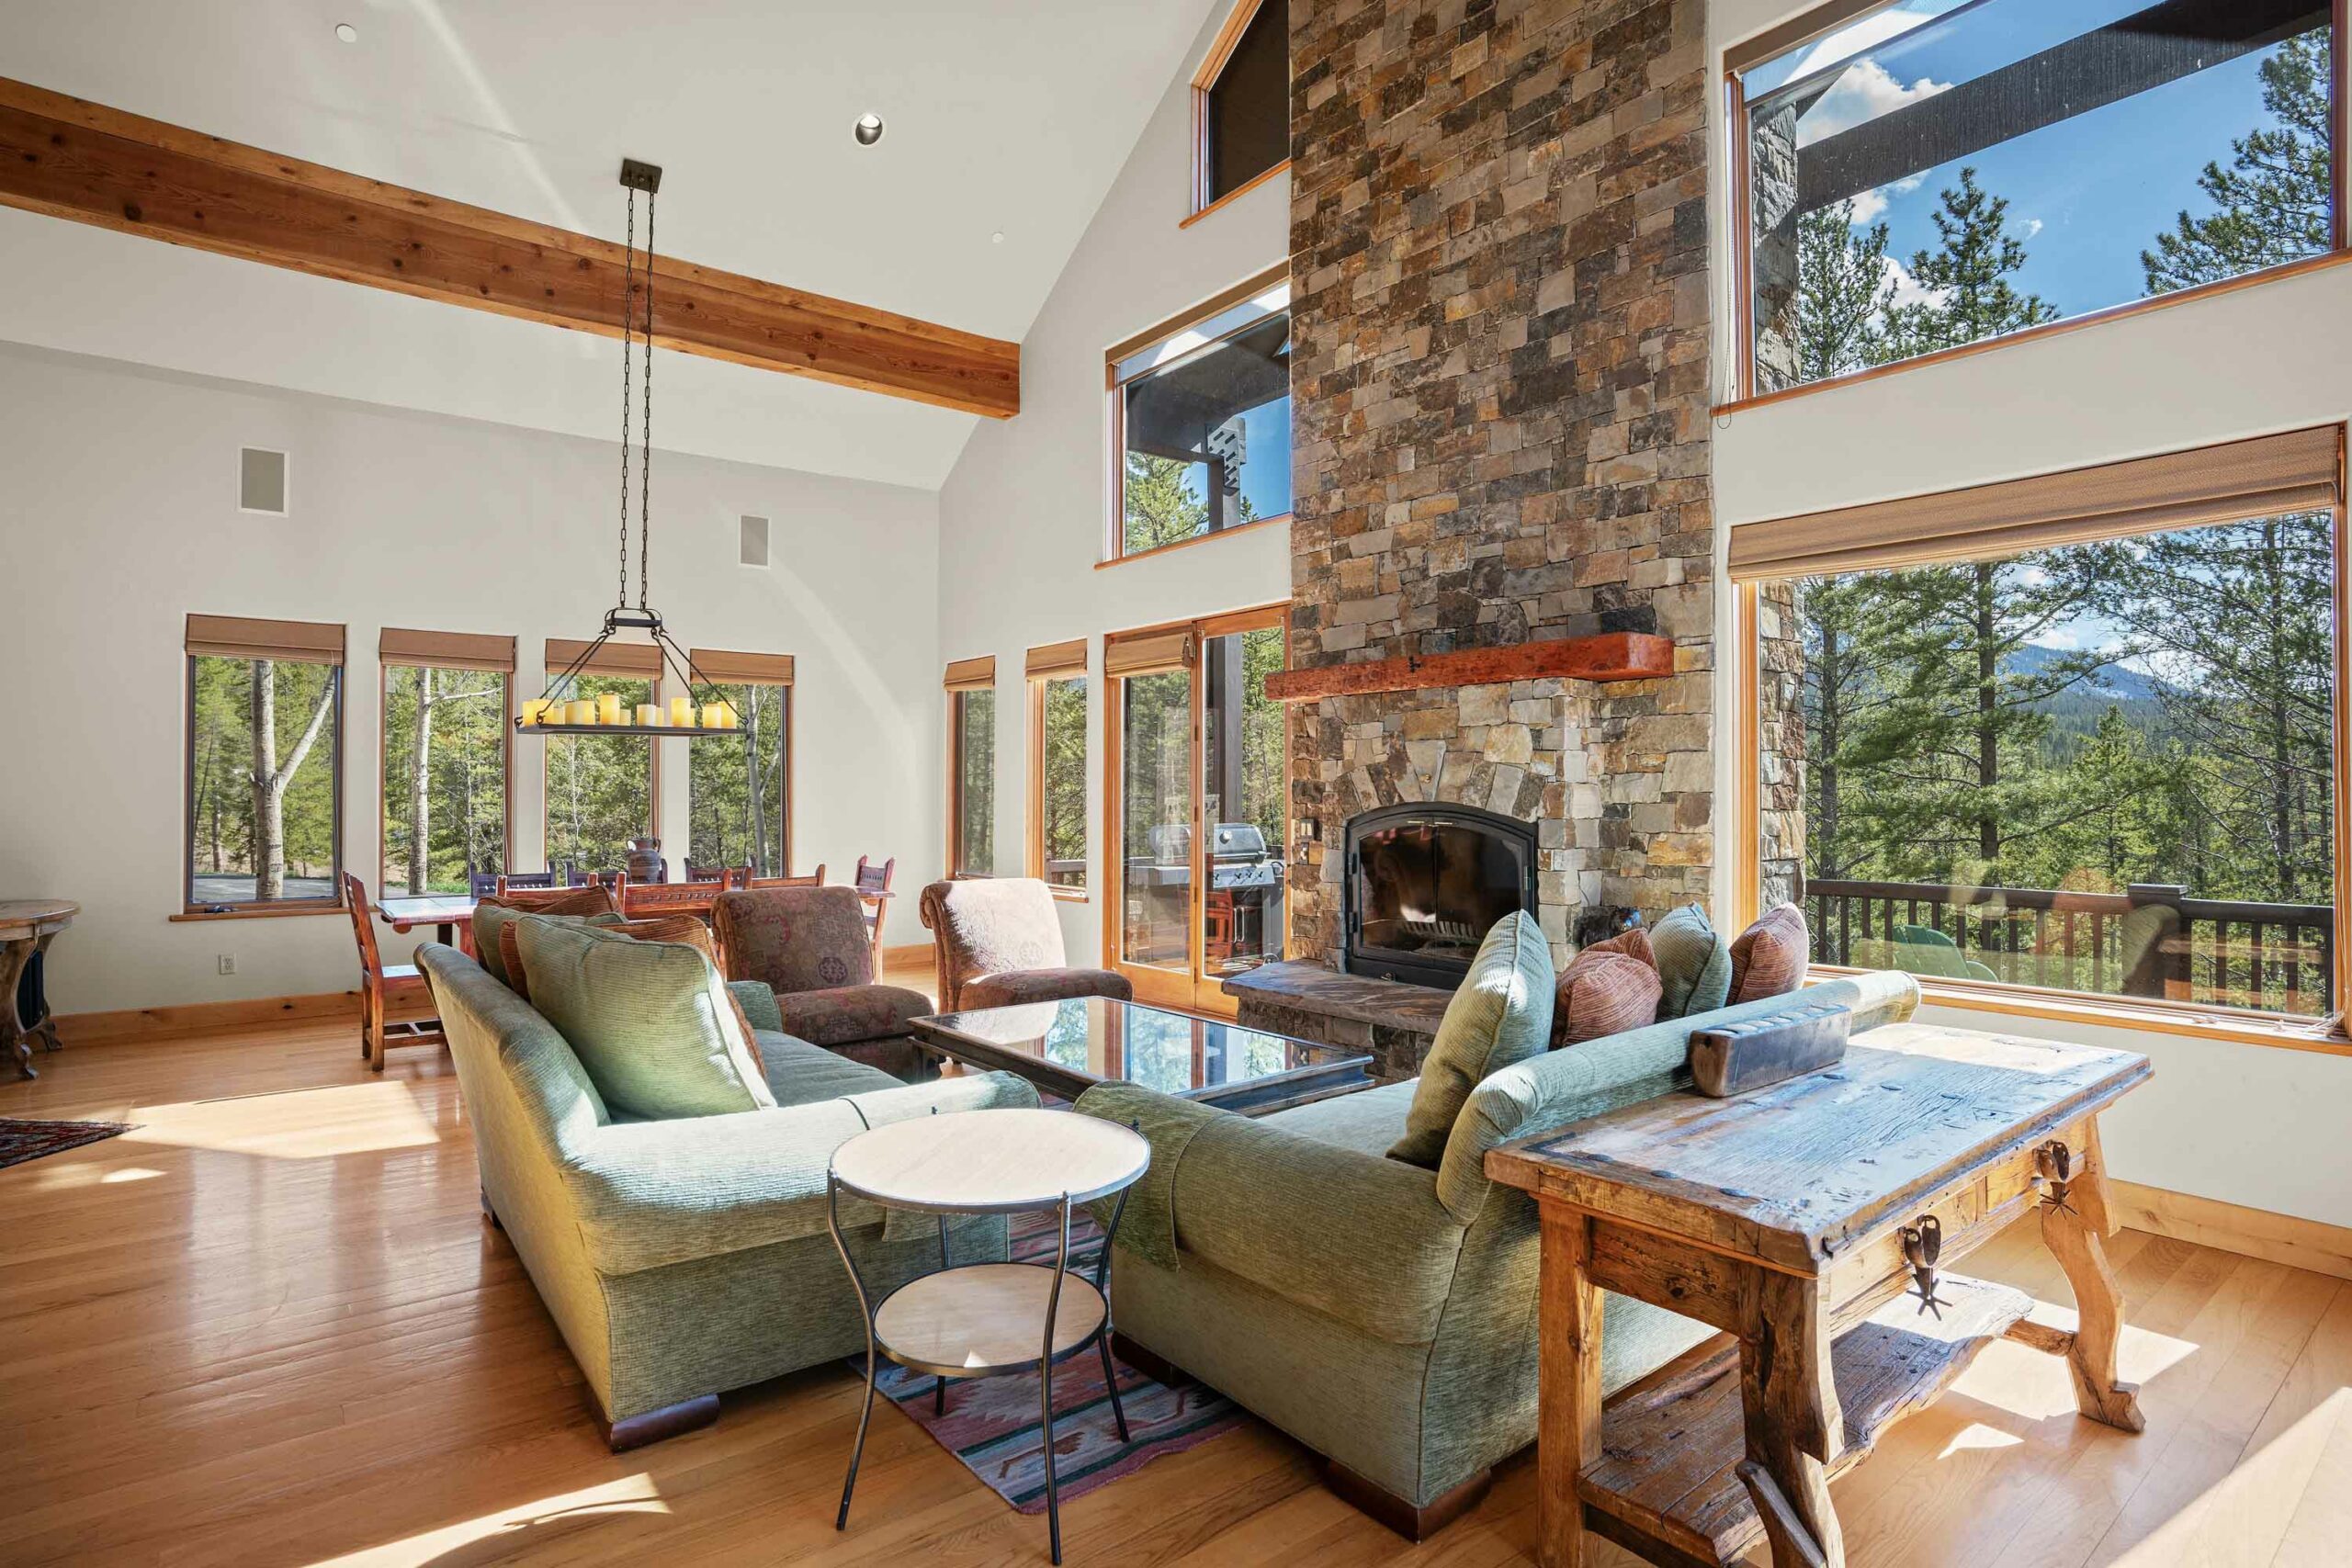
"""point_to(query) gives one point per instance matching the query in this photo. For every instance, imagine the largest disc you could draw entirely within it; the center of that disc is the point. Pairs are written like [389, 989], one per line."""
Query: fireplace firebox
[1423, 883]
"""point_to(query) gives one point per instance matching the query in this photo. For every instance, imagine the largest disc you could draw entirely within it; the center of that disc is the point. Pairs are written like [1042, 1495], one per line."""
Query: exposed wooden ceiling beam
[62, 156]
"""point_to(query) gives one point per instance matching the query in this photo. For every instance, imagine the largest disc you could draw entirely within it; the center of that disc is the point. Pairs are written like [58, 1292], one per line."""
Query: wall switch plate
[228, 964]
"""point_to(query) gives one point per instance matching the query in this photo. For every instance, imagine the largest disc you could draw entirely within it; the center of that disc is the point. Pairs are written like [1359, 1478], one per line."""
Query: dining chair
[502, 882]
[814, 879]
[386, 987]
[484, 884]
[873, 885]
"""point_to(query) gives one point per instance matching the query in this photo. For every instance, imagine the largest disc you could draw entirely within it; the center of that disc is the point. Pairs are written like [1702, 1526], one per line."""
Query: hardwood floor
[270, 1327]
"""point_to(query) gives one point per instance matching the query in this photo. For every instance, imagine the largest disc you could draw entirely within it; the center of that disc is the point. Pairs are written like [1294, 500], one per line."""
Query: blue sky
[2087, 194]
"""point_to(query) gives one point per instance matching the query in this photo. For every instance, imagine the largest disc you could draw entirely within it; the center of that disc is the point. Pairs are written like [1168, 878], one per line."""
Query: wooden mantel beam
[70, 158]
[1610, 655]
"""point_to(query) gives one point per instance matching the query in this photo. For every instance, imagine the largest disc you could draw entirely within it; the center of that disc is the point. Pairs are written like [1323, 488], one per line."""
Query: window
[1202, 412]
[1057, 766]
[600, 789]
[739, 791]
[264, 752]
[971, 767]
[1933, 174]
[446, 738]
[1241, 104]
[2075, 733]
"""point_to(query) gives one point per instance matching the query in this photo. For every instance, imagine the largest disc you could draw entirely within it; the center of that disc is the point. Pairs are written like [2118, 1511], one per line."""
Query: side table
[26, 928]
[978, 1320]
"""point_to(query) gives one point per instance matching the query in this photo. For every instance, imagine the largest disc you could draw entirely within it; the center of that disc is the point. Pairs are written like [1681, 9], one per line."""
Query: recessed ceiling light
[347, 32]
[997, 238]
[868, 130]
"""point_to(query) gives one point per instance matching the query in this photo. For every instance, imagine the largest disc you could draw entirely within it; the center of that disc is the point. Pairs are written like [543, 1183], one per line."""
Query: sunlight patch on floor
[1977, 1435]
[513, 1528]
[2237, 1518]
[310, 1124]
[2035, 1386]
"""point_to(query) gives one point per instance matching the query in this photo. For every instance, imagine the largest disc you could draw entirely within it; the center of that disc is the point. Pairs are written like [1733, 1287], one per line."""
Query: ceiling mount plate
[646, 177]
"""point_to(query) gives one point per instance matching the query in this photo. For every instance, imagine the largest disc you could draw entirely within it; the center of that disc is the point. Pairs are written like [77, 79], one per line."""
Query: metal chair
[384, 986]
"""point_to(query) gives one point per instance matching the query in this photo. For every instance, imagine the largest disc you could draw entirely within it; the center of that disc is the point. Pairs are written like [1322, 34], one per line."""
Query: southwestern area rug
[991, 1424]
[21, 1141]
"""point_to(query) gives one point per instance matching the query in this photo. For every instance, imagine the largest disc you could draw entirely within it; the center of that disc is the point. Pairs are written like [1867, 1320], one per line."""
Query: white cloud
[2029, 228]
[1872, 205]
[1864, 92]
[1909, 291]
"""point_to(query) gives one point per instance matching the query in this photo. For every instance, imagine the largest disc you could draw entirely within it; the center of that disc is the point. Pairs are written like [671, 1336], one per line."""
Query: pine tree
[1844, 287]
[1161, 508]
[2273, 203]
[1966, 277]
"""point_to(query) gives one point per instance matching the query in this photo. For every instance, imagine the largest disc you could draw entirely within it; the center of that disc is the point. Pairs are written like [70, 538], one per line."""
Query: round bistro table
[978, 1320]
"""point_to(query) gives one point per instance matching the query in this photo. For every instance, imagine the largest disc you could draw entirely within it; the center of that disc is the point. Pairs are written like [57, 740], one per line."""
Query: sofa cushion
[1368, 1120]
[798, 1073]
[651, 1021]
[490, 916]
[1602, 993]
[1693, 964]
[1768, 959]
[848, 1014]
[1501, 1014]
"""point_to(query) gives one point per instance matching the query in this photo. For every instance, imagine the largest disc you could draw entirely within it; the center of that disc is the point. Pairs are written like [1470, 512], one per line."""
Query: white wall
[120, 517]
[2253, 1125]
[1024, 514]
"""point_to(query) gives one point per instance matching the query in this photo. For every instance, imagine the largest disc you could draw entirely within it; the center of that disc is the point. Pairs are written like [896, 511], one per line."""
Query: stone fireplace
[1500, 319]
[1422, 884]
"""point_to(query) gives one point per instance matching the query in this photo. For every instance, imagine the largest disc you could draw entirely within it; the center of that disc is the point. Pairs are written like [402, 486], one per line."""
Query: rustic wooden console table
[1781, 1217]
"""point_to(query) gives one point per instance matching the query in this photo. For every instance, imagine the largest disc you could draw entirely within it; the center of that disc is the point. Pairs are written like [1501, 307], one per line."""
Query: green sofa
[682, 1258]
[1382, 1313]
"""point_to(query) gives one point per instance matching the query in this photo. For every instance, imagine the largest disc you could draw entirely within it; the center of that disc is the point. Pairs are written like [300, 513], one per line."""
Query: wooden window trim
[386, 664]
[191, 910]
[1815, 24]
[1200, 203]
[1038, 681]
[1158, 551]
[2206, 1021]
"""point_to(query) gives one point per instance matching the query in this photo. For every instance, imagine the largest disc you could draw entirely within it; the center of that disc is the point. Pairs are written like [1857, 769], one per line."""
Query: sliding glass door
[1199, 797]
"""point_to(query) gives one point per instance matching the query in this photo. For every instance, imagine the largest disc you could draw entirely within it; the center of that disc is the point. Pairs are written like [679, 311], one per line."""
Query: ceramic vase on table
[644, 861]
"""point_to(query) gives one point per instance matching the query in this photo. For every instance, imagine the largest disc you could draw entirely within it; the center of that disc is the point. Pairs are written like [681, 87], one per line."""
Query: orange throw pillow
[1769, 958]
[1603, 992]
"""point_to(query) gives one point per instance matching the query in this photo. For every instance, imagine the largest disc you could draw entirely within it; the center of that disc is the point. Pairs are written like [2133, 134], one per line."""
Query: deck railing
[2152, 940]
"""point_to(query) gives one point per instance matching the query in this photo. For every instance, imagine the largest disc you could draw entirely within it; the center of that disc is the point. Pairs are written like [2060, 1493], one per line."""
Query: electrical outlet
[228, 964]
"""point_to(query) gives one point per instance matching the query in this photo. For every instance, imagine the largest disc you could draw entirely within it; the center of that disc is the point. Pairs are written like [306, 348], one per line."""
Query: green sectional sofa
[1382, 1313]
[682, 1258]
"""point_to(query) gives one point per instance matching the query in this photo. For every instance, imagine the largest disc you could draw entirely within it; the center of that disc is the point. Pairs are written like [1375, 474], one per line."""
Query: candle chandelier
[559, 710]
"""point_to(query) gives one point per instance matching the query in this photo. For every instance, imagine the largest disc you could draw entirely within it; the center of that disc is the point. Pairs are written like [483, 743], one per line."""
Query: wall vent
[753, 545]
[261, 481]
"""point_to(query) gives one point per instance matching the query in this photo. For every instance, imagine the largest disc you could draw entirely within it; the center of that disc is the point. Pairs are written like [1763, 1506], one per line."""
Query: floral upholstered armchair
[999, 942]
[810, 946]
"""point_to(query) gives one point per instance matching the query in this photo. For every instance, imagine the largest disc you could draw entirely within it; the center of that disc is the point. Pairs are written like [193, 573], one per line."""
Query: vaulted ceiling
[1004, 117]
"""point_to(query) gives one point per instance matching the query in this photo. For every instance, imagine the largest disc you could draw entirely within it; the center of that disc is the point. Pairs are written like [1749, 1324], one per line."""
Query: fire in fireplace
[1424, 883]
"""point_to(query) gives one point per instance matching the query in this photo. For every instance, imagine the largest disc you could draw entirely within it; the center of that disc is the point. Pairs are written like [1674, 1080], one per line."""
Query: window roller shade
[642, 659]
[446, 650]
[239, 637]
[1151, 654]
[1057, 659]
[2262, 477]
[742, 669]
[972, 675]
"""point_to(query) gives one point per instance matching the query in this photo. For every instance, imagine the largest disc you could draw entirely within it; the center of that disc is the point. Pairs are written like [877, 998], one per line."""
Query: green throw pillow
[1502, 1014]
[651, 1021]
[490, 916]
[1693, 964]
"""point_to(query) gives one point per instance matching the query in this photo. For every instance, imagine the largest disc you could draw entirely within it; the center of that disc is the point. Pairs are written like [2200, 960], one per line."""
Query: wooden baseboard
[2297, 1243]
[204, 1018]
[908, 952]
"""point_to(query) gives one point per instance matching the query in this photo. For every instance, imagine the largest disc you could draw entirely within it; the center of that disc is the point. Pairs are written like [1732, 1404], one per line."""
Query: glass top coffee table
[1068, 1047]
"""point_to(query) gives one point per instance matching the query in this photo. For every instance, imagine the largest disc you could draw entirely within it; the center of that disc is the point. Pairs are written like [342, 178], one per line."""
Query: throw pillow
[1604, 993]
[1633, 944]
[1769, 958]
[1693, 964]
[649, 1021]
[491, 914]
[509, 966]
[690, 931]
[1501, 1014]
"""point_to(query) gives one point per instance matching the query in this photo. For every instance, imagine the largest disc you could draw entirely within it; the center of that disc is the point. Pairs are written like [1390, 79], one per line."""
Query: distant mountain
[2114, 682]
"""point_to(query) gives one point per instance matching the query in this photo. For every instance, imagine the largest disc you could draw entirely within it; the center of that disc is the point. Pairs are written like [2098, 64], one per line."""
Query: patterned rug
[991, 1424]
[21, 1141]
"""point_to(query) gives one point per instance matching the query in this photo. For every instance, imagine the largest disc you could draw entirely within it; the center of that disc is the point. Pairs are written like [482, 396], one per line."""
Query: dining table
[451, 916]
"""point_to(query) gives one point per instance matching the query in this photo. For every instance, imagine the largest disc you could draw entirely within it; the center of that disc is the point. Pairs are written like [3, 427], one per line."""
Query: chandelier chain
[628, 329]
[645, 424]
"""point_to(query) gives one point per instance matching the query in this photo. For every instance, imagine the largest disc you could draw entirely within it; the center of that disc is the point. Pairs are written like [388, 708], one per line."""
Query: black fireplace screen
[1424, 884]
